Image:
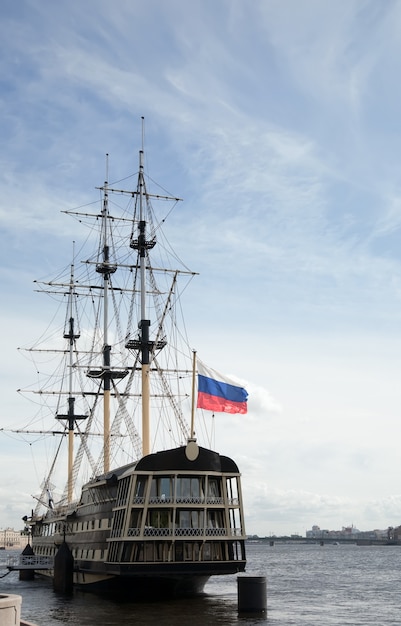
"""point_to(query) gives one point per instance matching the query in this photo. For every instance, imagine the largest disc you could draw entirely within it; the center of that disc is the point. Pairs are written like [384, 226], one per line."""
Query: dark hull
[151, 587]
[161, 527]
[135, 583]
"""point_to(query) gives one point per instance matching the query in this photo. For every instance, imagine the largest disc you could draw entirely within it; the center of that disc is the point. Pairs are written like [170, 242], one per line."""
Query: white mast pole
[71, 333]
[71, 408]
[144, 323]
[105, 269]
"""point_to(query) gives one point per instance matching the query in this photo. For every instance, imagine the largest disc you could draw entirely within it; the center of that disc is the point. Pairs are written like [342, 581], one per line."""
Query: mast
[144, 323]
[105, 268]
[72, 335]
[144, 345]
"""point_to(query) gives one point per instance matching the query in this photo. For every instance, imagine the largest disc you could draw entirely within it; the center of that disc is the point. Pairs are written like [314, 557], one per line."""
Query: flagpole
[193, 395]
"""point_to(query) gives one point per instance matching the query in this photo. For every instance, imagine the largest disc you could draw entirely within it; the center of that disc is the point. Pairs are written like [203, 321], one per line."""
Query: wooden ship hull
[163, 525]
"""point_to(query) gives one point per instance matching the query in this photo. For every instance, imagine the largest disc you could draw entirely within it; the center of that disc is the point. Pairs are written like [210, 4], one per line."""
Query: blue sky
[278, 123]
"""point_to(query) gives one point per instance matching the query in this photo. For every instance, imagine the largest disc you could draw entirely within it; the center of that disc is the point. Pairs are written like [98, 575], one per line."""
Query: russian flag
[218, 393]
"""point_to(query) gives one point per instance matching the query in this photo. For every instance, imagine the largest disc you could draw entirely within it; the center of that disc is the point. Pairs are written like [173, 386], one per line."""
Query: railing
[236, 532]
[22, 562]
[157, 532]
[214, 500]
[216, 532]
[151, 531]
[188, 532]
[185, 500]
[138, 500]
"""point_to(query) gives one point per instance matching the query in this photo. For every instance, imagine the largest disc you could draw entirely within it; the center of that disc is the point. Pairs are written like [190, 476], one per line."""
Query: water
[307, 585]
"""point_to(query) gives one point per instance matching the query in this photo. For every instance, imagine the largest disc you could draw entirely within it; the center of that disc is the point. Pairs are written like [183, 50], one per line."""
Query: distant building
[10, 538]
[396, 533]
[352, 533]
[316, 533]
[350, 530]
[346, 532]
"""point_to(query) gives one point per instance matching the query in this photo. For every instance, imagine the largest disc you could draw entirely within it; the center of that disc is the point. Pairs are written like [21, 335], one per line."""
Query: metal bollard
[252, 594]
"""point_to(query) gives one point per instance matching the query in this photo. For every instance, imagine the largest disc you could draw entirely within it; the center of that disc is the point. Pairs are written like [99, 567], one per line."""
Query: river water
[307, 585]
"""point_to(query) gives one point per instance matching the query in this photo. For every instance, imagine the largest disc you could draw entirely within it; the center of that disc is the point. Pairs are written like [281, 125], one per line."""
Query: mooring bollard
[63, 569]
[252, 594]
[10, 610]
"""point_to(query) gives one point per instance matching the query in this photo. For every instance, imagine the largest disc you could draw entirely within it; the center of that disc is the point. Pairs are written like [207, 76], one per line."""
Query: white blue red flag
[218, 393]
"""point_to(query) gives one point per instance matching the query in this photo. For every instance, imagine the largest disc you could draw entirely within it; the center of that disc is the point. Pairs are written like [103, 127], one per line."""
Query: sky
[278, 122]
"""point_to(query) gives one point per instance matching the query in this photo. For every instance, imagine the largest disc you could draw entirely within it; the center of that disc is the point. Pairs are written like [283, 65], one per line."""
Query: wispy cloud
[279, 126]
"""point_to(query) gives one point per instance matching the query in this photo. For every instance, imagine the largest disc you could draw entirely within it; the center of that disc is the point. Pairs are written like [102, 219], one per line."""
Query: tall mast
[106, 268]
[72, 335]
[144, 323]
[144, 346]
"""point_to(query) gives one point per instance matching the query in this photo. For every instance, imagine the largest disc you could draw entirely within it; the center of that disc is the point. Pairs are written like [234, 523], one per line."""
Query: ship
[139, 506]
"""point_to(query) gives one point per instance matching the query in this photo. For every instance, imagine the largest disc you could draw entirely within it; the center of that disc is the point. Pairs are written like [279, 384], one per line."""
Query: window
[122, 492]
[127, 550]
[137, 552]
[159, 518]
[207, 552]
[215, 519]
[136, 518]
[232, 490]
[190, 489]
[161, 488]
[190, 519]
[140, 486]
[214, 488]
